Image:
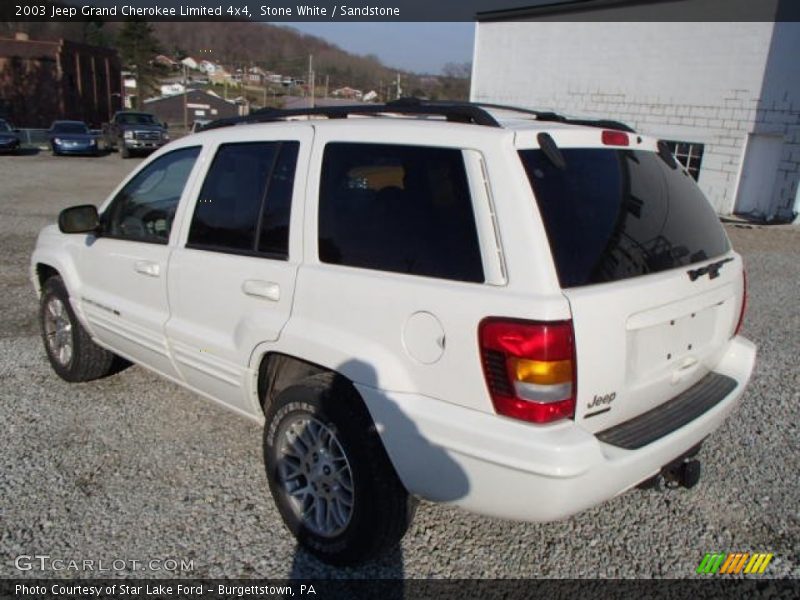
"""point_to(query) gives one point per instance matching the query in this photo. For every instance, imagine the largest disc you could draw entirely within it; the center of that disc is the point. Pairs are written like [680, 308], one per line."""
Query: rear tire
[329, 474]
[72, 353]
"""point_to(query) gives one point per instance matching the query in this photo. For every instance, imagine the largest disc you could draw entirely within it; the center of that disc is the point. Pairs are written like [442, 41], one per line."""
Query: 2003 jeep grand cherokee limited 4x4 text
[518, 313]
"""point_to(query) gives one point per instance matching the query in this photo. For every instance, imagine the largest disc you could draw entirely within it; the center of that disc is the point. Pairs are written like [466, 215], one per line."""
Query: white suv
[518, 313]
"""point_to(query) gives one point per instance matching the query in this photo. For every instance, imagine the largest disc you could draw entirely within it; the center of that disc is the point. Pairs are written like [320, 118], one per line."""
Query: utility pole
[327, 81]
[185, 102]
[309, 83]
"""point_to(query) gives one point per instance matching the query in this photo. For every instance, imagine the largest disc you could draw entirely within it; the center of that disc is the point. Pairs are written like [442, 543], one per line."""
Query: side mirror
[79, 219]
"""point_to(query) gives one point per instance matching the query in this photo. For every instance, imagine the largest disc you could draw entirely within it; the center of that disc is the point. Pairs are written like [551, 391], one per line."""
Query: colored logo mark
[734, 563]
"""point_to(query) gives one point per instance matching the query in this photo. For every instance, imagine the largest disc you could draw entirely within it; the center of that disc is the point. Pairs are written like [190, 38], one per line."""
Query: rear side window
[404, 209]
[615, 214]
[245, 203]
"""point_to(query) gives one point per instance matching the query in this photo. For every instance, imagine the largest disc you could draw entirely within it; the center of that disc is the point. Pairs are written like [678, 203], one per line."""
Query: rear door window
[615, 214]
[403, 209]
[245, 203]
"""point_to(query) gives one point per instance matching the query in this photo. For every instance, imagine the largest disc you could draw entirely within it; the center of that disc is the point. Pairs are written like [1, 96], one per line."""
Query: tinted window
[62, 127]
[615, 214]
[229, 208]
[274, 235]
[398, 208]
[145, 208]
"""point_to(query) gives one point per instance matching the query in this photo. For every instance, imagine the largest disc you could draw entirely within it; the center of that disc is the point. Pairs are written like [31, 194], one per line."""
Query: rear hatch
[653, 285]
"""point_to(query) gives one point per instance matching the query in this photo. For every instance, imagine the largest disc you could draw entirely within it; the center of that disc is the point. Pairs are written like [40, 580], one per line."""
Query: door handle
[262, 289]
[146, 267]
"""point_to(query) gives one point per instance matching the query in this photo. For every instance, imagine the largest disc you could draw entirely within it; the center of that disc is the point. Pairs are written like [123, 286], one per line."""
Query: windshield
[4, 127]
[136, 119]
[616, 214]
[70, 128]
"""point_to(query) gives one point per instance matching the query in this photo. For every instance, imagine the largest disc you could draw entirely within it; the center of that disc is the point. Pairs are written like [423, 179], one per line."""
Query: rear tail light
[529, 368]
[744, 303]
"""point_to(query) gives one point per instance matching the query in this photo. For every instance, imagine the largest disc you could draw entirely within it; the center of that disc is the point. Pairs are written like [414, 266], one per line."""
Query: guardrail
[36, 138]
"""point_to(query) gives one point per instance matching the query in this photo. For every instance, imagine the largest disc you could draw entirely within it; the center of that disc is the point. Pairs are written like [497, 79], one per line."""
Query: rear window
[616, 214]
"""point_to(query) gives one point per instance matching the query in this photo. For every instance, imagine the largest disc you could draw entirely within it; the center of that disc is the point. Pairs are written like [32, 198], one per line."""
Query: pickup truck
[134, 133]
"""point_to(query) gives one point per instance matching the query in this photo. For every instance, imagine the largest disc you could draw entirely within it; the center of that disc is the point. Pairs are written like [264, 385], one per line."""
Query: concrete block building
[725, 95]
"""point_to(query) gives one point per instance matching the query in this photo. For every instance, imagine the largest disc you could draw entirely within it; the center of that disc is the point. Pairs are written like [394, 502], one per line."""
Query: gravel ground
[133, 467]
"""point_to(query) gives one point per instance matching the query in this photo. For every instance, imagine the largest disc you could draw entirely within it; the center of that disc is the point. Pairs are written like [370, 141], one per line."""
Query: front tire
[329, 474]
[72, 353]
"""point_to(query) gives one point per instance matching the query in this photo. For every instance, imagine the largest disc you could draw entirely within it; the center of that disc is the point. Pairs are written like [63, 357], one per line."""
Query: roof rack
[475, 113]
[459, 112]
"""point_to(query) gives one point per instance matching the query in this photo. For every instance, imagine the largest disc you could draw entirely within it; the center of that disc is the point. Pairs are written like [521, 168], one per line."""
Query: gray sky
[419, 47]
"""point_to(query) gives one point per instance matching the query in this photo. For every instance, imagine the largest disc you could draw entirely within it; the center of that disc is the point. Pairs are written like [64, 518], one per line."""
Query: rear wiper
[551, 150]
[711, 270]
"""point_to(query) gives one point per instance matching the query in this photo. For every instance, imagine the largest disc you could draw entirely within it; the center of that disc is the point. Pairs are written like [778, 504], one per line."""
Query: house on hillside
[255, 76]
[347, 92]
[209, 67]
[190, 63]
[170, 89]
[220, 76]
[167, 62]
[44, 81]
[725, 96]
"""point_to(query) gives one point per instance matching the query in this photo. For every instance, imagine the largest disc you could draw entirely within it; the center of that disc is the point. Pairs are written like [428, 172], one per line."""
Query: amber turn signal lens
[541, 372]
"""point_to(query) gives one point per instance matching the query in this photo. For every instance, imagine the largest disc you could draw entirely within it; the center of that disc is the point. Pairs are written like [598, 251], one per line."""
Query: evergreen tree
[138, 46]
[95, 34]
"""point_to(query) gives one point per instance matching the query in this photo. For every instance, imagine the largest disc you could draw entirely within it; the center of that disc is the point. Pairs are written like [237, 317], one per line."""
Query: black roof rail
[456, 111]
[459, 112]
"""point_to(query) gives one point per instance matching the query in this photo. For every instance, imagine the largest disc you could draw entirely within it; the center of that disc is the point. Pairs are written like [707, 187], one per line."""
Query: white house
[190, 63]
[725, 95]
[208, 67]
[170, 89]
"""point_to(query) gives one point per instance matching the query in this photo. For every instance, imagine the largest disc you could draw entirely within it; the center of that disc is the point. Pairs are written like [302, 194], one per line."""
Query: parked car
[133, 132]
[9, 139]
[510, 311]
[71, 137]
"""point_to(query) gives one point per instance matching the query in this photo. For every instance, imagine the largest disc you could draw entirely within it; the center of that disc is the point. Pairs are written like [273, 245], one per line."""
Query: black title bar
[400, 10]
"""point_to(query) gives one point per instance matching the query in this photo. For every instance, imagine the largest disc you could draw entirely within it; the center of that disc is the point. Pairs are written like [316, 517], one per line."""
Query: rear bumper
[499, 467]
